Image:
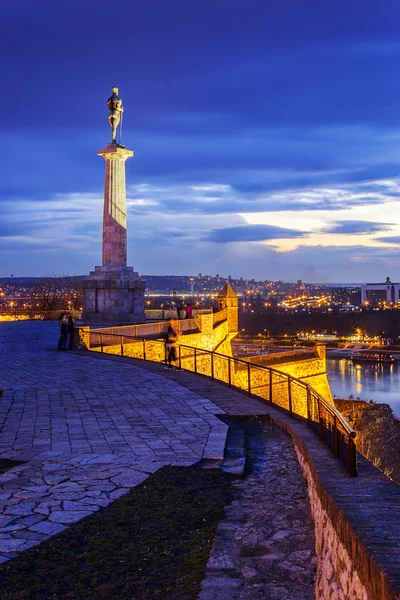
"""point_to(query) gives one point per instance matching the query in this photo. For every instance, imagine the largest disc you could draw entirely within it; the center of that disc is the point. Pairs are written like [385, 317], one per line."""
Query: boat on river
[373, 356]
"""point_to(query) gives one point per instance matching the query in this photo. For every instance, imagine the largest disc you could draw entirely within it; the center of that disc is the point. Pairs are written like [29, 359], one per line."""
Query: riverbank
[378, 433]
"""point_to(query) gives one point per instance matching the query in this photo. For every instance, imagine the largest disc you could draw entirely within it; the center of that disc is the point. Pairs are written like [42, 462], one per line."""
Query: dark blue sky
[266, 136]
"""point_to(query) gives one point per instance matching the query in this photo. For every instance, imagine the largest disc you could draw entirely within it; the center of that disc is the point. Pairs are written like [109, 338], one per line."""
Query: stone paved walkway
[265, 545]
[93, 426]
[90, 430]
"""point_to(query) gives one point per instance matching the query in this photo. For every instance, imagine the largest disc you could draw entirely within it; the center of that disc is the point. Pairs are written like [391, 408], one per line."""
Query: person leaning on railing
[171, 343]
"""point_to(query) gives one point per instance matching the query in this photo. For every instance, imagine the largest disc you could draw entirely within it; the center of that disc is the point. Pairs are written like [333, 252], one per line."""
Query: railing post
[122, 345]
[290, 397]
[352, 457]
[179, 357]
[212, 364]
[335, 438]
[101, 342]
[195, 359]
[308, 405]
[144, 349]
[320, 431]
[270, 386]
[249, 379]
[229, 372]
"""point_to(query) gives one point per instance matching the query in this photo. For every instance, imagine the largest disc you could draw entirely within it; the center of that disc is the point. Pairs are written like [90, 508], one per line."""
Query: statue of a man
[114, 104]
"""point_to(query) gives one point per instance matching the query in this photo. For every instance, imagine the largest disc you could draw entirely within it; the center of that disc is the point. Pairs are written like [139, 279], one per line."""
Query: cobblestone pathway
[265, 546]
[89, 428]
[92, 427]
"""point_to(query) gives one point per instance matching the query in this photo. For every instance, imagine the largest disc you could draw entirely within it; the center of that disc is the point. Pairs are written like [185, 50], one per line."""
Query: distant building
[347, 295]
[373, 293]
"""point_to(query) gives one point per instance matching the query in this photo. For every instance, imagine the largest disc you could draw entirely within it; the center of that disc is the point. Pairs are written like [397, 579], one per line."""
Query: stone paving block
[67, 517]
[54, 479]
[30, 520]
[94, 501]
[11, 528]
[11, 545]
[77, 506]
[23, 508]
[118, 493]
[48, 528]
[129, 478]
[42, 511]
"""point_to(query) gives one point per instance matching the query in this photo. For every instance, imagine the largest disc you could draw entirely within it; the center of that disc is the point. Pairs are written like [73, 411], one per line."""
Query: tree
[74, 292]
[58, 292]
[48, 292]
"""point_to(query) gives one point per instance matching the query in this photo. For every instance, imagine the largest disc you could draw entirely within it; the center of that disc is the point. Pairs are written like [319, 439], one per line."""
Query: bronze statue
[115, 107]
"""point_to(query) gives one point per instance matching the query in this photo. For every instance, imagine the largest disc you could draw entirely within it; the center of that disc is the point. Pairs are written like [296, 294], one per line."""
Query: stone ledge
[355, 507]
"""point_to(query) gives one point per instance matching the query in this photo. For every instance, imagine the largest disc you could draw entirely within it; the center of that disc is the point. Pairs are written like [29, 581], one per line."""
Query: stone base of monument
[113, 295]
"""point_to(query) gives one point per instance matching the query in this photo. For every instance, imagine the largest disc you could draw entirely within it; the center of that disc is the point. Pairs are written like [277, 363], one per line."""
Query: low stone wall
[356, 522]
[276, 357]
[337, 578]
[276, 385]
[171, 313]
[208, 338]
[311, 370]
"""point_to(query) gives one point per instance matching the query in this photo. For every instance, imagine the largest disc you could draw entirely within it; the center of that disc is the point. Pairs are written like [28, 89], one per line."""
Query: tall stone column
[114, 293]
[114, 219]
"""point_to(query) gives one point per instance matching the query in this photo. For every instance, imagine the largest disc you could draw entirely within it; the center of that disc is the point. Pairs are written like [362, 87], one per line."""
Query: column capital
[113, 151]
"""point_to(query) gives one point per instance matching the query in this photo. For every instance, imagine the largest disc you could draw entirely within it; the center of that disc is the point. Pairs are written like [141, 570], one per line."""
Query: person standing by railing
[189, 310]
[62, 340]
[171, 343]
[70, 332]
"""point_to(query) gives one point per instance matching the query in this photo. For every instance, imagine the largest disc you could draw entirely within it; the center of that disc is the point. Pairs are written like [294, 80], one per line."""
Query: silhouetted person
[62, 340]
[189, 311]
[70, 332]
[171, 341]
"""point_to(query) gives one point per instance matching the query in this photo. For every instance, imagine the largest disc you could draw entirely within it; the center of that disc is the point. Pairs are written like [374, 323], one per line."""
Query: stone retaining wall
[337, 578]
[311, 370]
[356, 530]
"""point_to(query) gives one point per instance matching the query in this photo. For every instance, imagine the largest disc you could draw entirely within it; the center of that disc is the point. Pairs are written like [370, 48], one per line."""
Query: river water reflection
[365, 381]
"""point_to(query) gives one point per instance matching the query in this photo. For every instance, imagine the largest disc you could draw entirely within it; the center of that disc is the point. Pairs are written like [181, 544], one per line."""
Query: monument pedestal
[114, 295]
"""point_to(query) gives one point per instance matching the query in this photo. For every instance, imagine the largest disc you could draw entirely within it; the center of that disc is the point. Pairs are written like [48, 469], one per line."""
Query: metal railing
[147, 329]
[297, 398]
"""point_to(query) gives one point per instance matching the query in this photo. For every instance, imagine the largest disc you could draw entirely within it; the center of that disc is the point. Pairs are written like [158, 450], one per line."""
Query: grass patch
[151, 543]
[6, 464]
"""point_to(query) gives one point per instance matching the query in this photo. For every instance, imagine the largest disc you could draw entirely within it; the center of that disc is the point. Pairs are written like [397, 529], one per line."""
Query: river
[365, 381]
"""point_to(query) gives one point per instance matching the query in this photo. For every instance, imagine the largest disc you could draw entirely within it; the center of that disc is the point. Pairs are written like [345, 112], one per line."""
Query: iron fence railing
[147, 329]
[297, 398]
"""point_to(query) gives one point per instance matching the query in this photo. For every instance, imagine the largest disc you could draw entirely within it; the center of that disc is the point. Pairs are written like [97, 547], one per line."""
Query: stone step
[234, 460]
